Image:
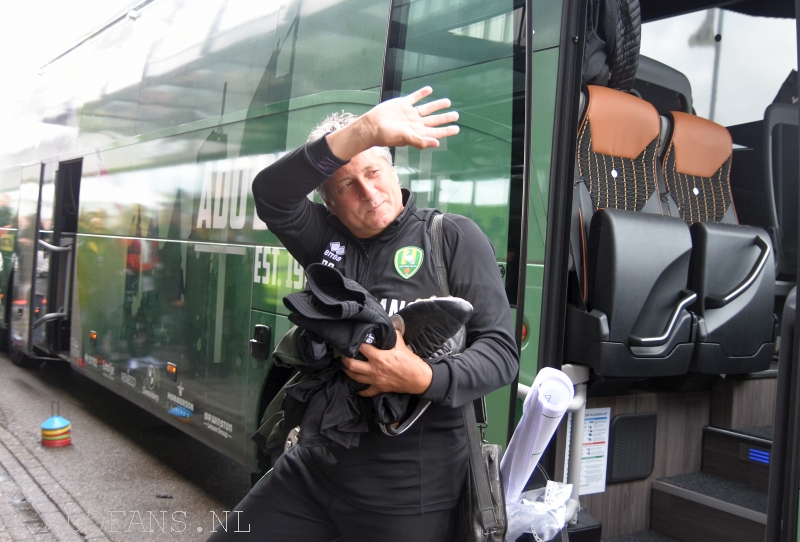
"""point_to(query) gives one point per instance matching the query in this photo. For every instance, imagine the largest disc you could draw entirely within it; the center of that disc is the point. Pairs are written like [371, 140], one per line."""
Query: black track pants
[289, 504]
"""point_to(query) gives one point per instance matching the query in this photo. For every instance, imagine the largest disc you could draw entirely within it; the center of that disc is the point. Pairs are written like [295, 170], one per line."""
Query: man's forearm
[485, 366]
[351, 140]
[280, 192]
[286, 183]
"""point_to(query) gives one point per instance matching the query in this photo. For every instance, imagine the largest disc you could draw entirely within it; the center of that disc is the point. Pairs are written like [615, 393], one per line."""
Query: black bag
[482, 506]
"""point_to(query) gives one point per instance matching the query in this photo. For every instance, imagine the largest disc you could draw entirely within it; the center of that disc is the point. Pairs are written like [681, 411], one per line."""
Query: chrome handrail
[689, 298]
[719, 301]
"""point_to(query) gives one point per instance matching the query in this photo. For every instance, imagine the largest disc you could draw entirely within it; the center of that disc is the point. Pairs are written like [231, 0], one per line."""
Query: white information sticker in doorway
[594, 455]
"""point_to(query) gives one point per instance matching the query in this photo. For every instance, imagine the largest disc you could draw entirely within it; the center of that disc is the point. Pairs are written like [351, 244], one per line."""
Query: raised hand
[396, 123]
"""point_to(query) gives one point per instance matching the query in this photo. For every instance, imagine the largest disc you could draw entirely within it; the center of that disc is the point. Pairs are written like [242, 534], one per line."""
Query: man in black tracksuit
[388, 488]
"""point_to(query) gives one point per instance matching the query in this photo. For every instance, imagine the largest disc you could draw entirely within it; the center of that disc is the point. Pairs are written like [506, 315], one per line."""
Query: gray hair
[330, 124]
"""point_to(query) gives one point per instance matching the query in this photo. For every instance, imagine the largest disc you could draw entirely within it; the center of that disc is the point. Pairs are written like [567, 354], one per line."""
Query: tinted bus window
[180, 180]
[465, 51]
[738, 74]
[181, 62]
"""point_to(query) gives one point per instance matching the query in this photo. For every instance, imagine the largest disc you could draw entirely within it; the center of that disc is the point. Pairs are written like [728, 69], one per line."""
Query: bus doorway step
[698, 507]
[587, 529]
[641, 536]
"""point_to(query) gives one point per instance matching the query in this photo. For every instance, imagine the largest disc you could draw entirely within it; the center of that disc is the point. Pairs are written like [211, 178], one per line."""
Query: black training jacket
[424, 468]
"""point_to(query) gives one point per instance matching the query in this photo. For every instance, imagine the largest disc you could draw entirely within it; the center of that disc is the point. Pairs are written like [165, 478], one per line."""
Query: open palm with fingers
[397, 123]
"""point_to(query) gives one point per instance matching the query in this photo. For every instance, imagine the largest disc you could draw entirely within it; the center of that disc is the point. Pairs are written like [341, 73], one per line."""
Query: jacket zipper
[363, 273]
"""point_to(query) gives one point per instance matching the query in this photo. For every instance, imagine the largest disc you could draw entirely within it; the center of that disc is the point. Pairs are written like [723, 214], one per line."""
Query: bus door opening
[59, 251]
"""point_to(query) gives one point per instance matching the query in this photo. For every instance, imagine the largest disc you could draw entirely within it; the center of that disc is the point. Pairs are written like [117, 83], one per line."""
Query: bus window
[728, 57]
[238, 57]
[468, 51]
[198, 47]
[465, 51]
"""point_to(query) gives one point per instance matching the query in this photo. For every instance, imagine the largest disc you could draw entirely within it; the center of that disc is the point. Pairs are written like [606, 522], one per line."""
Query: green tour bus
[633, 162]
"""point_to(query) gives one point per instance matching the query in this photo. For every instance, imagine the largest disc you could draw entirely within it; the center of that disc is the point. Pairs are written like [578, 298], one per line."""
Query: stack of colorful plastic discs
[56, 431]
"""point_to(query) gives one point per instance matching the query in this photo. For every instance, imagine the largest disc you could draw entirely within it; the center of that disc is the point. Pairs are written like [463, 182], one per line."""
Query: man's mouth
[375, 208]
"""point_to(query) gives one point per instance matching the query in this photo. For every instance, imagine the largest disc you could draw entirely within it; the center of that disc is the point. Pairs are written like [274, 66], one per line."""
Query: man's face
[365, 194]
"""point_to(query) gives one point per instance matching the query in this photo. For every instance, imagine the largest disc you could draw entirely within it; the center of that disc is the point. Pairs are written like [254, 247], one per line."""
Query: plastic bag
[539, 511]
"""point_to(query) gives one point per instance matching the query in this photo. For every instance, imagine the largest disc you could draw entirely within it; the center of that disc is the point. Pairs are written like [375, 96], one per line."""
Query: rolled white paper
[542, 411]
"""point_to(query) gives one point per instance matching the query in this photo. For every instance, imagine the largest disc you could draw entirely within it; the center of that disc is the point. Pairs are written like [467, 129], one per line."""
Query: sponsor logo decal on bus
[128, 379]
[226, 190]
[180, 401]
[217, 425]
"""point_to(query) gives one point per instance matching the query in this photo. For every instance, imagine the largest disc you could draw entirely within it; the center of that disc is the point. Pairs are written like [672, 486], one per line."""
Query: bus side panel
[257, 373]
[218, 290]
[161, 323]
[9, 206]
[160, 282]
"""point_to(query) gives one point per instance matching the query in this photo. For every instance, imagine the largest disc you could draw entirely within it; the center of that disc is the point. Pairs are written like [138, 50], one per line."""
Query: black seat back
[638, 270]
[697, 165]
[631, 319]
[780, 133]
[732, 265]
[618, 150]
[664, 87]
[764, 181]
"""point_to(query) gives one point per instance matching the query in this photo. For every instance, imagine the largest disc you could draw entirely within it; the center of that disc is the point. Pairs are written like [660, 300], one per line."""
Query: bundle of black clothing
[335, 315]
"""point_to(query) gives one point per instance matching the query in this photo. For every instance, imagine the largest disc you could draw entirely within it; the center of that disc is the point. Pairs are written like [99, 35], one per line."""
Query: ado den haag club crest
[408, 260]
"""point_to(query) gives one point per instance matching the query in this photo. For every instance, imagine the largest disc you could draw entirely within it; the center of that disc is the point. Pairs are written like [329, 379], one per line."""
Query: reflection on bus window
[465, 50]
[728, 57]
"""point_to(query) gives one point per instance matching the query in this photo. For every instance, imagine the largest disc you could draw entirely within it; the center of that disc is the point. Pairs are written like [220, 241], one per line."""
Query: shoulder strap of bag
[478, 473]
[437, 247]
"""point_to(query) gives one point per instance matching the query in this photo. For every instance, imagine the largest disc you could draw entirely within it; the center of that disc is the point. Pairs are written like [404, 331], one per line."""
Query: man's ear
[330, 206]
[328, 203]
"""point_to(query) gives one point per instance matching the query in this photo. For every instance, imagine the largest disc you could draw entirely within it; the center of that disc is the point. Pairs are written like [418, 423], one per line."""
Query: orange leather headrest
[622, 125]
[700, 145]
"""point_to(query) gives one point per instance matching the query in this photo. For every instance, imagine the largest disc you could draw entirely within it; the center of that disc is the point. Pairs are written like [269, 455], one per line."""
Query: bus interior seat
[731, 269]
[764, 181]
[618, 145]
[667, 90]
[664, 87]
[629, 317]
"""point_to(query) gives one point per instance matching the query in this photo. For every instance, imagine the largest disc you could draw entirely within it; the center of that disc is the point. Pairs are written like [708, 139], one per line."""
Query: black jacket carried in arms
[424, 468]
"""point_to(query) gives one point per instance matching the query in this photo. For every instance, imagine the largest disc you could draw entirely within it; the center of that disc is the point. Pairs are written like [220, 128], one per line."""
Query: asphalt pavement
[126, 476]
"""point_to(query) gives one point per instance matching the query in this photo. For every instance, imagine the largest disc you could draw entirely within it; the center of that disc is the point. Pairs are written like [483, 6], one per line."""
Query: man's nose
[367, 189]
